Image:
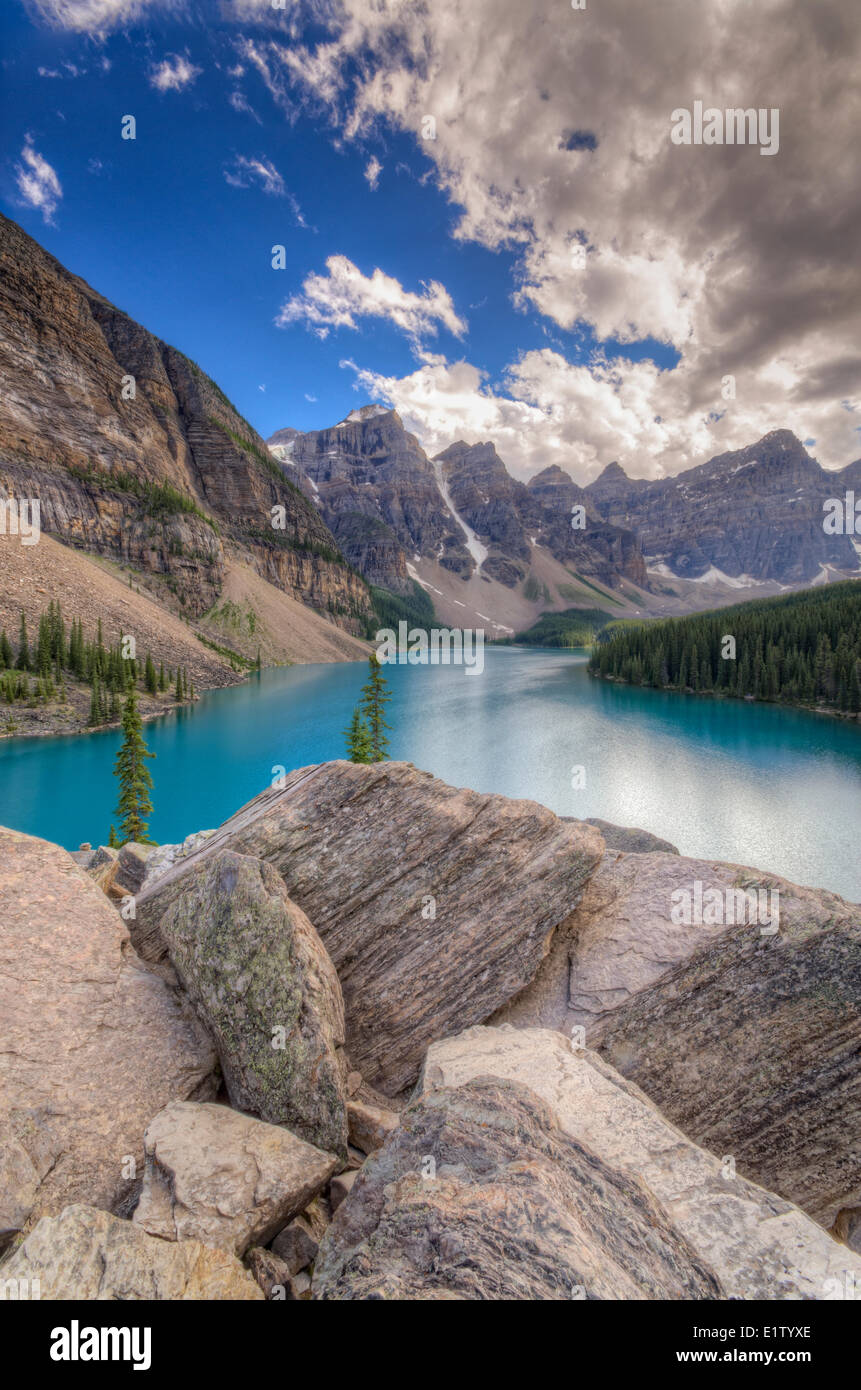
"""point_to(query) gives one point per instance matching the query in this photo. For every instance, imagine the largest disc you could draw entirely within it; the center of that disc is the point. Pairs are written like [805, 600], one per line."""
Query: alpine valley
[156, 495]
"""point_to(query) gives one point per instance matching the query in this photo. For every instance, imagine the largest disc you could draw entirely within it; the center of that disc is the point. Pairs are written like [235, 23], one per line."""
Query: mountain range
[143, 468]
[751, 519]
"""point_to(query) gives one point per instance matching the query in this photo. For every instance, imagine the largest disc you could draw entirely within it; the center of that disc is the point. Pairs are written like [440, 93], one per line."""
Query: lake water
[778, 789]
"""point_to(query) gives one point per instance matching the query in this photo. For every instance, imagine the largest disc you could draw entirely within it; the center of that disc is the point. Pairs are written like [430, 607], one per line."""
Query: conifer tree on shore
[372, 702]
[133, 804]
[358, 739]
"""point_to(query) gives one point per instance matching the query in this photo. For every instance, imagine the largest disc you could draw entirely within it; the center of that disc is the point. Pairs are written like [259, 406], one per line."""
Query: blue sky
[244, 141]
[153, 224]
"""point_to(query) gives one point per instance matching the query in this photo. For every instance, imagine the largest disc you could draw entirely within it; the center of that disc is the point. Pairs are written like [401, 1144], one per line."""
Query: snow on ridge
[478, 551]
[364, 412]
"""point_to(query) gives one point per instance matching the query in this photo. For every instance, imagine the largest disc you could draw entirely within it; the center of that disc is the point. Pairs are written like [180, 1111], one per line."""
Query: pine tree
[135, 779]
[150, 677]
[358, 737]
[23, 663]
[373, 700]
[95, 703]
[162, 678]
[6, 659]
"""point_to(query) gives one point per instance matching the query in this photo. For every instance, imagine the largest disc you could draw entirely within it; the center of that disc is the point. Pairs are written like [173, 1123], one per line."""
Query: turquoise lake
[778, 789]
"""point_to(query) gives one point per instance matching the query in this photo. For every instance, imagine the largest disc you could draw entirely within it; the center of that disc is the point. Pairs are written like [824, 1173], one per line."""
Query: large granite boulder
[223, 1178]
[92, 1044]
[436, 904]
[479, 1195]
[758, 1245]
[85, 1254]
[263, 984]
[753, 1048]
[748, 1039]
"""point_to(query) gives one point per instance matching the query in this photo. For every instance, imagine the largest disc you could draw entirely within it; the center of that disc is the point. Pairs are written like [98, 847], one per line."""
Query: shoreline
[845, 715]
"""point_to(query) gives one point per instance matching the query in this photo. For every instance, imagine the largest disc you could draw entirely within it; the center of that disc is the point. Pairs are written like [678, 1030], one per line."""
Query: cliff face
[136, 454]
[387, 503]
[509, 516]
[378, 493]
[756, 511]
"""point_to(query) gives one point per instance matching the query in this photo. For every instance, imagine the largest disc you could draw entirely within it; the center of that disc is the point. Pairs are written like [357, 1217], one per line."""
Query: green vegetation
[801, 649]
[271, 536]
[366, 737]
[37, 674]
[390, 609]
[575, 627]
[358, 737]
[608, 598]
[135, 779]
[237, 661]
[159, 499]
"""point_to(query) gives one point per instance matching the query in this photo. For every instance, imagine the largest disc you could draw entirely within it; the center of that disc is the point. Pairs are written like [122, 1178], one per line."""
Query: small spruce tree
[358, 737]
[135, 779]
[374, 698]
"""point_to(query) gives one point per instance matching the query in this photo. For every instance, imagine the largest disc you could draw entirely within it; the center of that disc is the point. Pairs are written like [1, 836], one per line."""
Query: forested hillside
[802, 649]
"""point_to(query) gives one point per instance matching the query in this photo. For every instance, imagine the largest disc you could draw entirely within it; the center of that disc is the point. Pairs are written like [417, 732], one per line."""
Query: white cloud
[373, 169]
[37, 182]
[244, 173]
[241, 103]
[711, 249]
[581, 416]
[173, 74]
[343, 295]
[96, 16]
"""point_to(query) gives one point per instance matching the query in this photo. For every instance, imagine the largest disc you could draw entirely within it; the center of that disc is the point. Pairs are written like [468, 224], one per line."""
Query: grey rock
[84, 1254]
[223, 1178]
[262, 982]
[758, 1244]
[630, 838]
[296, 1245]
[478, 1195]
[341, 1186]
[366, 851]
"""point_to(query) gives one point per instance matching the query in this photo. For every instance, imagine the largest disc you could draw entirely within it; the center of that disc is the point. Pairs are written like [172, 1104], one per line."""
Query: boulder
[629, 838]
[223, 1178]
[263, 984]
[271, 1273]
[341, 1186]
[752, 1047]
[92, 1044]
[84, 1254]
[758, 1245]
[478, 1195]
[369, 1126]
[436, 904]
[749, 1040]
[164, 857]
[296, 1246]
[131, 866]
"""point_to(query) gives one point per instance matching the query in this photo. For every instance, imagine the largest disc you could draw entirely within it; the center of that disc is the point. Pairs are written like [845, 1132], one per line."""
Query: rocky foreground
[379, 1037]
